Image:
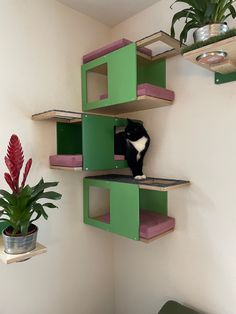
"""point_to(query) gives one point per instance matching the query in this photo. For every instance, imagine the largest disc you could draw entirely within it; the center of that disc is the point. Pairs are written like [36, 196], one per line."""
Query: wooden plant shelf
[10, 258]
[227, 45]
[141, 103]
[58, 115]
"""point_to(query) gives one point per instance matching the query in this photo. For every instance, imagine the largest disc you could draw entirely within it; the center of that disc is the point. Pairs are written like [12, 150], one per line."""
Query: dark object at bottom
[172, 307]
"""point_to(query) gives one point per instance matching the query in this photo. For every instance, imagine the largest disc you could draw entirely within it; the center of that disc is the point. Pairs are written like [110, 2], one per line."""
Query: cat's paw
[140, 177]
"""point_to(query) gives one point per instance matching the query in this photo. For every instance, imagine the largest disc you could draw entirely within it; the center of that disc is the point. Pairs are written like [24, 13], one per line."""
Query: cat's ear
[130, 121]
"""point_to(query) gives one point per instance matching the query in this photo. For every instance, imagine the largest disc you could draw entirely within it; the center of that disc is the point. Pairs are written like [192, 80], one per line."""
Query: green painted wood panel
[152, 72]
[98, 142]
[122, 77]
[225, 78]
[69, 138]
[156, 201]
[124, 208]
[125, 217]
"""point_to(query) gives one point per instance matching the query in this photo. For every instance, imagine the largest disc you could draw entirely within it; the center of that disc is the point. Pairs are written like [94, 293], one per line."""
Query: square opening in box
[69, 138]
[99, 204]
[119, 142]
[97, 83]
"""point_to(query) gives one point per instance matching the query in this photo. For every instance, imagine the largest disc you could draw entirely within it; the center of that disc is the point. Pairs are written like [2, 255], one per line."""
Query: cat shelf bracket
[224, 78]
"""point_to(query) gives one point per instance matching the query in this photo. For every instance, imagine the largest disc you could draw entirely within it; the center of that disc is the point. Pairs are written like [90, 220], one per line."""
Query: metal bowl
[213, 57]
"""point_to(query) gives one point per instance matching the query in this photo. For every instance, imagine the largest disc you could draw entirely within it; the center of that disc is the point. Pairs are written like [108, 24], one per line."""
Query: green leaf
[186, 13]
[50, 205]
[24, 227]
[40, 210]
[11, 198]
[50, 195]
[41, 186]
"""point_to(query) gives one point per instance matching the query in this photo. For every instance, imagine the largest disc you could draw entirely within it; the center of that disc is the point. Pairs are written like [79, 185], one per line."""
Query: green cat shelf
[134, 209]
[84, 141]
[125, 76]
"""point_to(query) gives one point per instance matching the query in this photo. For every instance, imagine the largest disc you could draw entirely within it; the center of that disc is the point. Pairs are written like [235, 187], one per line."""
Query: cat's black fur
[134, 135]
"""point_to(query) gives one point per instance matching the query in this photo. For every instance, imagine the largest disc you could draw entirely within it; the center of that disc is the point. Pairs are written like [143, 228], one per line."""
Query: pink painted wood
[112, 47]
[151, 90]
[152, 224]
[73, 161]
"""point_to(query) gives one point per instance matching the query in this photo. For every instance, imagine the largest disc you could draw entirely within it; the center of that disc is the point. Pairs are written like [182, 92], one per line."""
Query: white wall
[42, 43]
[193, 139]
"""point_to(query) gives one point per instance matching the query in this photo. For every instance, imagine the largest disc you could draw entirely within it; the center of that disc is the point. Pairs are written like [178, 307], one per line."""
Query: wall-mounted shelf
[59, 116]
[84, 141]
[227, 45]
[10, 258]
[140, 103]
[159, 37]
[134, 209]
[121, 67]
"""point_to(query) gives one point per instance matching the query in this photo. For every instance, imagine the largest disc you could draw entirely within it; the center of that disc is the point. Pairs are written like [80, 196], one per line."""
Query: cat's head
[134, 130]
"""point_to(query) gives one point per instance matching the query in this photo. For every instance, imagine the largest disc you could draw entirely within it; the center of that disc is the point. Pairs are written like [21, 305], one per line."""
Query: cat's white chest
[139, 145]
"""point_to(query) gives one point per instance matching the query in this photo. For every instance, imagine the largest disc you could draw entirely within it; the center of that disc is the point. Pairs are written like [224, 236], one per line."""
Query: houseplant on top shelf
[21, 207]
[207, 16]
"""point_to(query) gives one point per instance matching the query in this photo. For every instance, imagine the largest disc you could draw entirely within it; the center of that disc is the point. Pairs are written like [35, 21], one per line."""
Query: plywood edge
[147, 241]
[67, 168]
[140, 103]
[61, 115]
[10, 258]
[162, 189]
[224, 67]
[146, 97]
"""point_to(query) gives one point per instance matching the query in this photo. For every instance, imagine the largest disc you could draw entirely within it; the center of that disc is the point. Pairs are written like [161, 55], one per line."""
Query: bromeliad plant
[201, 13]
[22, 206]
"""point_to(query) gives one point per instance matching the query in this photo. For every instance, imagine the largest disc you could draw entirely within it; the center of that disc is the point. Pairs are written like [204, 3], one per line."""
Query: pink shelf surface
[72, 160]
[152, 224]
[151, 90]
[112, 47]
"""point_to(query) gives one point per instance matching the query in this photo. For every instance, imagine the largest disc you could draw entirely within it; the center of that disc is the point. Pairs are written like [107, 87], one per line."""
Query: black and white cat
[133, 143]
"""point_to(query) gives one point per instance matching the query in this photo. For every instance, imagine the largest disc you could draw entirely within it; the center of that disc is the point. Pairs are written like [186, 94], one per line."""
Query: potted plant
[207, 16]
[21, 207]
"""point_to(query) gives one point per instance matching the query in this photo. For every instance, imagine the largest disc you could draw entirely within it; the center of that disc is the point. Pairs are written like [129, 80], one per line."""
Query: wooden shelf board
[157, 237]
[58, 115]
[154, 184]
[163, 189]
[67, 168]
[141, 103]
[162, 37]
[227, 45]
[10, 258]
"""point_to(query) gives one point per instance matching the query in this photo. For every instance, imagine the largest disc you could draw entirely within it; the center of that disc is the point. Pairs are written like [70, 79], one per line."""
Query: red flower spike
[9, 181]
[26, 172]
[14, 160]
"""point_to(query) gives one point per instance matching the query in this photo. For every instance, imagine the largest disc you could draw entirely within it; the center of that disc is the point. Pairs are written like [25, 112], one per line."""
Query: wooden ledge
[147, 241]
[154, 184]
[10, 258]
[227, 45]
[67, 168]
[58, 115]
